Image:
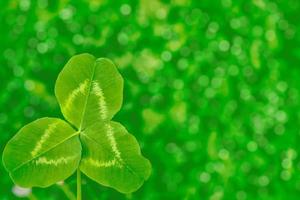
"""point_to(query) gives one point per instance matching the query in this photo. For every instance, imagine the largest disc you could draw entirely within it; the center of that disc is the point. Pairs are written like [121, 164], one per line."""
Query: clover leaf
[89, 92]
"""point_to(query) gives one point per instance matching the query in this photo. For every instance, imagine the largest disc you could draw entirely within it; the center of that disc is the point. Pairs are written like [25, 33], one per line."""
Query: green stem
[78, 184]
[65, 188]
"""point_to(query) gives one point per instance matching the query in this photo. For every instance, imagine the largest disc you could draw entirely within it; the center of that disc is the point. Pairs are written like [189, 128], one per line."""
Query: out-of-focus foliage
[211, 89]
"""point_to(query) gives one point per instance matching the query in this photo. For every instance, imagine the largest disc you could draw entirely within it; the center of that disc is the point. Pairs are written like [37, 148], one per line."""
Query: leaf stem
[78, 184]
[65, 188]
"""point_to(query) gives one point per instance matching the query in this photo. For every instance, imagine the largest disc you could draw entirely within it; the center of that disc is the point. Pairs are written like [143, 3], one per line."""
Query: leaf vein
[42, 153]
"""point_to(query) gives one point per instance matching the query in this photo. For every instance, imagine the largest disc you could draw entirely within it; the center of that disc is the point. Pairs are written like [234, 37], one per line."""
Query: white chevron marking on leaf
[55, 162]
[102, 104]
[44, 138]
[103, 112]
[98, 163]
[112, 141]
[82, 88]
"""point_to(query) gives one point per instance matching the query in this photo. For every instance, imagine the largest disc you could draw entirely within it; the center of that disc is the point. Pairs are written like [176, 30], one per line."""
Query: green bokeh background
[211, 89]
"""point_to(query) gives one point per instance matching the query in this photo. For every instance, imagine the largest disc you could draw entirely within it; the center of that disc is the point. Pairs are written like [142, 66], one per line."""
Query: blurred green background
[211, 89]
